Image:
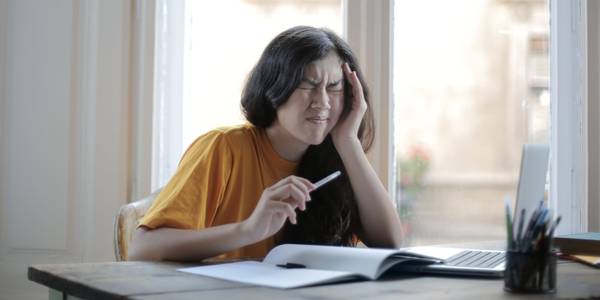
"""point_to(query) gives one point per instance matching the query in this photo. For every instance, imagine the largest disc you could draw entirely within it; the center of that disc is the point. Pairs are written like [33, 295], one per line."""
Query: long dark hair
[331, 218]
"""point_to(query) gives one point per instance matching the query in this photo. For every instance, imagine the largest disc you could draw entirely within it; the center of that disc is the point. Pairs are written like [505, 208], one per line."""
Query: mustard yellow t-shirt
[219, 181]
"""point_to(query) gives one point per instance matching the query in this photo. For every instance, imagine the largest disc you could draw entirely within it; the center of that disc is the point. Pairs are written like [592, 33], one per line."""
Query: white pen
[327, 179]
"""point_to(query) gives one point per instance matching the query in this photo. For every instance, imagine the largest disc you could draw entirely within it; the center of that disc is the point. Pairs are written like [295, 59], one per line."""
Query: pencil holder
[530, 272]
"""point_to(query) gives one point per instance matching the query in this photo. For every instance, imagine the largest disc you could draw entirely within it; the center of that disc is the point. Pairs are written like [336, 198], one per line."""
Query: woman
[239, 191]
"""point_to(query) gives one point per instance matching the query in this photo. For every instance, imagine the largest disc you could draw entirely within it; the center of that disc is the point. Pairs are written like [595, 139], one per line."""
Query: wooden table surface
[160, 280]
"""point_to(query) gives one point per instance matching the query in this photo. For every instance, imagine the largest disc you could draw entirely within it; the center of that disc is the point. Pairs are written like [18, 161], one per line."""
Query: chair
[126, 223]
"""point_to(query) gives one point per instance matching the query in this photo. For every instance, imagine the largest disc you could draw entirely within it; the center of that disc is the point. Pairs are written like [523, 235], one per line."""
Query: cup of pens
[530, 265]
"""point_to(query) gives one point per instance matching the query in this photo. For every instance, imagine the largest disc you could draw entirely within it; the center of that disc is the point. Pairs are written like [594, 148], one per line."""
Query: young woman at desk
[239, 191]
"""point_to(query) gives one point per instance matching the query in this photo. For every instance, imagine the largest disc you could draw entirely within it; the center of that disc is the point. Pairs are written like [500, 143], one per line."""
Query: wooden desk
[148, 280]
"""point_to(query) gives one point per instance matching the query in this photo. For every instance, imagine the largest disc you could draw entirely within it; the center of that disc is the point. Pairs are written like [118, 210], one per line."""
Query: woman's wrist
[246, 232]
[346, 145]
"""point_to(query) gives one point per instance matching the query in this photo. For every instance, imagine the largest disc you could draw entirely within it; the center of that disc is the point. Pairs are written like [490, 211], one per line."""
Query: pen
[553, 227]
[327, 179]
[509, 225]
[520, 228]
[528, 235]
[292, 266]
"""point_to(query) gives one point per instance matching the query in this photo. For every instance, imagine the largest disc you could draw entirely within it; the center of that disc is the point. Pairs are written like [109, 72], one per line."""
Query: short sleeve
[191, 198]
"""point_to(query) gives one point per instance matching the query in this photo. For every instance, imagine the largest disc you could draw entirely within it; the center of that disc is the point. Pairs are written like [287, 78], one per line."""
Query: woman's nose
[320, 100]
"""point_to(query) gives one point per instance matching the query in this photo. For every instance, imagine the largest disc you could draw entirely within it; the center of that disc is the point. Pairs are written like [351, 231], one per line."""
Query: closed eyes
[335, 86]
[308, 84]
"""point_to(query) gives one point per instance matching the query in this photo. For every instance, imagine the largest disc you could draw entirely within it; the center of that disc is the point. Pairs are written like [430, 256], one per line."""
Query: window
[446, 67]
[216, 62]
[222, 41]
[470, 88]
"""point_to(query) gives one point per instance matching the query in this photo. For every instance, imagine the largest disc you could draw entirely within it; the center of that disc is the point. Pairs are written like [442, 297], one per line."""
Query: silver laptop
[490, 263]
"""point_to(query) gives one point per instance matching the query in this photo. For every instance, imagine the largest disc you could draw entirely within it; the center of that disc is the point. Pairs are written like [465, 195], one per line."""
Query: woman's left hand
[346, 130]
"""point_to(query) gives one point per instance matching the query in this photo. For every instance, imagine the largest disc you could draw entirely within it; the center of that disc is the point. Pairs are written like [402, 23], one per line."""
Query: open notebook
[291, 265]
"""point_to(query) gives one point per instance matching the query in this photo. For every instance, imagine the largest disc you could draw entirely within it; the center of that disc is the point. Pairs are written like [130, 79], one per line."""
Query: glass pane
[471, 87]
[223, 41]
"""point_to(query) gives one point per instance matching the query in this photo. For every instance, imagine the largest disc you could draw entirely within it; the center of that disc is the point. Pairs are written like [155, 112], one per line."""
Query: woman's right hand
[277, 204]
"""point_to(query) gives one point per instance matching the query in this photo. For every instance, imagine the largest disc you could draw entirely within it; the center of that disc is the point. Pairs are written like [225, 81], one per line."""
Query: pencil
[509, 225]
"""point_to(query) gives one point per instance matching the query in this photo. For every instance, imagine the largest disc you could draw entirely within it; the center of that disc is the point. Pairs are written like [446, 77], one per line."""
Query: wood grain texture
[151, 280]
[120, 280]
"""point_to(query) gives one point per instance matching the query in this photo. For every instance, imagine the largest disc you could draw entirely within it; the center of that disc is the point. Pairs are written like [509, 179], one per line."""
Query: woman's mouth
[318, 120]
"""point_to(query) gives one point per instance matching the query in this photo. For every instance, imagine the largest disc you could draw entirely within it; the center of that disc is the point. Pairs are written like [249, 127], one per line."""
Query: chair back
[126, 222]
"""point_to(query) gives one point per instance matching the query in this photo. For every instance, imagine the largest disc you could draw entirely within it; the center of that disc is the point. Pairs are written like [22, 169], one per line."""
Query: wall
[65, 69]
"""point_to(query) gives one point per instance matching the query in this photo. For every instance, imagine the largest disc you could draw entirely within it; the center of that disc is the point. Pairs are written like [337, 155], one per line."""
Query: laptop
[490, 263]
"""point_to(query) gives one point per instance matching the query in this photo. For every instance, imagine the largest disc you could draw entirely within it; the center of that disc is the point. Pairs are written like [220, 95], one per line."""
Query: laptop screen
[532, 179]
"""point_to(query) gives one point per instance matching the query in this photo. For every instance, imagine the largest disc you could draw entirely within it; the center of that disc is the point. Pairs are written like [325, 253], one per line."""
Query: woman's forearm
[277, 205]
[187, 245]
[380, 222]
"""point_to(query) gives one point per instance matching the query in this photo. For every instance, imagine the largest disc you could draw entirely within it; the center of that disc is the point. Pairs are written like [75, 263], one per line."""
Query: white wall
[65, 123]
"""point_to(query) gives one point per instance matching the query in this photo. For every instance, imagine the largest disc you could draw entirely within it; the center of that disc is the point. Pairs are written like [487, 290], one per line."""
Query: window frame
[143, 62]
[368, 27]
[571, 145]
[593, 48]
[168, 70]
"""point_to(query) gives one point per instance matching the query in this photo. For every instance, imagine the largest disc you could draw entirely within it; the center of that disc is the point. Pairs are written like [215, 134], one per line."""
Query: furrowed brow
[334, 83]
[310, 81]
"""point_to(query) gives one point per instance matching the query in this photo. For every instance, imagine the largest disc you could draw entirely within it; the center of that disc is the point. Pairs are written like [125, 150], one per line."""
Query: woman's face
[315, 106]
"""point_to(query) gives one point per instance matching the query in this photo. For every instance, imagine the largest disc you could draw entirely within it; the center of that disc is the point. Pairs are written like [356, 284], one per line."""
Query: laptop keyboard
[476, 259]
